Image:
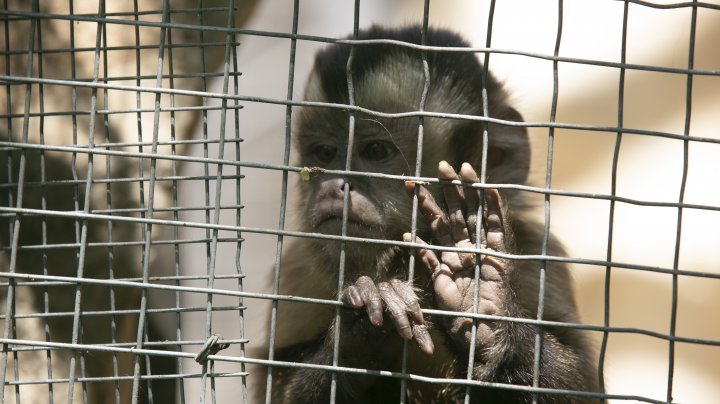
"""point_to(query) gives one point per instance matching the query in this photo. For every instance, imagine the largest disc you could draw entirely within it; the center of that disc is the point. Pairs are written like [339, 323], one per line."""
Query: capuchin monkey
[383, 307]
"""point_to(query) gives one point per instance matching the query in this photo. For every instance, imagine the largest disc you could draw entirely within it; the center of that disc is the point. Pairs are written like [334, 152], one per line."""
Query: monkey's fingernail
[376, 319]
[422, 337]
[427, 346]
[445, 171]
[416, 315]
[410, 186]
[354, 297]
[467, 172]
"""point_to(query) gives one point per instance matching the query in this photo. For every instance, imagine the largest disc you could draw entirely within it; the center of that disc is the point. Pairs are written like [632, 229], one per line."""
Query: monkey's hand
[453, 272]
[399, 300]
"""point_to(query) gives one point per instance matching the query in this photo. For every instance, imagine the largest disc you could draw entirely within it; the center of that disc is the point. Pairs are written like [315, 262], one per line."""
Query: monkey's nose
[350, 186]
[335, 187]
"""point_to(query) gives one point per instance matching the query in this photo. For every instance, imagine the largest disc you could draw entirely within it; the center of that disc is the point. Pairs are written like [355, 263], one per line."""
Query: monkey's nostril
[350, 186]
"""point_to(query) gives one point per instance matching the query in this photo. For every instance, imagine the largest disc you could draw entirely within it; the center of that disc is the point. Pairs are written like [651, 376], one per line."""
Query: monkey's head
[390, 79]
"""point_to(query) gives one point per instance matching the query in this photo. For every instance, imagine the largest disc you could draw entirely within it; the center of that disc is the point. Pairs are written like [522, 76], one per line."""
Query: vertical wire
[418, 172]
[681, 198]
[86, 205]
[479, 213]
[346, 200]
[73, 158]
[148, 372]
[142, 317]
[16, 359]
[613, 193]
[14, 222]
[175, 213]
[9, 326]
[148, 367]
[139, 126]
[138, 102]
[78, 233]
[108, 201]
[546, 231]
[206, 170]
[138, 114]
[283, 198]
[43, 204]
[218, 194]
[73, 101]
[238, 221]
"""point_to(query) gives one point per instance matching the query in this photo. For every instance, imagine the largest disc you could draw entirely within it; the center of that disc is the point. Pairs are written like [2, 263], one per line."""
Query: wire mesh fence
[101, 105]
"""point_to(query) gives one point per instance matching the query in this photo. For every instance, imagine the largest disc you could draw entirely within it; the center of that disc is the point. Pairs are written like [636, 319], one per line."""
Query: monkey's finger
[396, 308]
[408, 296]
[422, 338]
[371, 296]
[495, 225]
[446, 290]
[436, 218]
[428, 257]
[352, 296]
[442, 276]
[455, 201]
[472, 200]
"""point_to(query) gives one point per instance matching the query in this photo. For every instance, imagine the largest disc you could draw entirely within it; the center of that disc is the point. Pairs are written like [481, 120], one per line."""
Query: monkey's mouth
[332, 224]
[363, 220]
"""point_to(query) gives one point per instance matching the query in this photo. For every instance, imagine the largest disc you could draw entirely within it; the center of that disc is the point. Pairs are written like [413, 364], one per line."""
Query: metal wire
[116, 197]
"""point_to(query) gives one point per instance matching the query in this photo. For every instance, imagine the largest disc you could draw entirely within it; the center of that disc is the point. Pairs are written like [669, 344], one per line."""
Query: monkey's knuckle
[383, 287]
[401, 285]
[375, 301]
[364, 279]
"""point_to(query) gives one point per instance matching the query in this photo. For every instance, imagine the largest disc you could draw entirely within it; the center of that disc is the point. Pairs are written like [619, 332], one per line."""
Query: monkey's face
[391, 80]
[377, 208]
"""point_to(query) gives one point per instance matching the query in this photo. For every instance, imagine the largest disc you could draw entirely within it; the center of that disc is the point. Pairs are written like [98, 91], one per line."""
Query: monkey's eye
[324, 153]
[376, 151]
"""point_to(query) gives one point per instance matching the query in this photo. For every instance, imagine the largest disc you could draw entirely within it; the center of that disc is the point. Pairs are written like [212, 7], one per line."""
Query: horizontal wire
[126, 377]
[360, 42]
[132, 344]
[353, 108]
[134, 243]
[352, 174]
[47, 51]
[275, 232]
[100, 313]
[335, 303]
[128, 111]
[367, 372]
[124, 180]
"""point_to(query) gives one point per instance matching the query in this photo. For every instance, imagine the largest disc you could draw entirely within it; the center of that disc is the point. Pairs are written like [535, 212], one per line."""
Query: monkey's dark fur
[390, 79]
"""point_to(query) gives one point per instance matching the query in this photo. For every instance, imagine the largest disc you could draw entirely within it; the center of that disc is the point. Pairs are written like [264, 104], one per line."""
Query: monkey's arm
[364, 344]
[504, 350]
[370, 335]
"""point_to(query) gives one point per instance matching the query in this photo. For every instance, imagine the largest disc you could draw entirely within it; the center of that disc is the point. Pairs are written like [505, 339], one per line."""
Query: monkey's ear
[508, 156]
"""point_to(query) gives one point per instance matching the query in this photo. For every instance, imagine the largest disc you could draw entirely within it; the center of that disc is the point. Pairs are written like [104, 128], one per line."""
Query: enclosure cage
[125, 183]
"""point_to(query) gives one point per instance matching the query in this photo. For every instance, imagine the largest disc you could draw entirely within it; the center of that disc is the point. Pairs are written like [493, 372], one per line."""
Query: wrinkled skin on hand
[453, 272]
[401, 303]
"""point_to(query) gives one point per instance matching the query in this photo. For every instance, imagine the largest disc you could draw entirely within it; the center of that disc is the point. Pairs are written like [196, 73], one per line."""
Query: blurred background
[649, 168]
